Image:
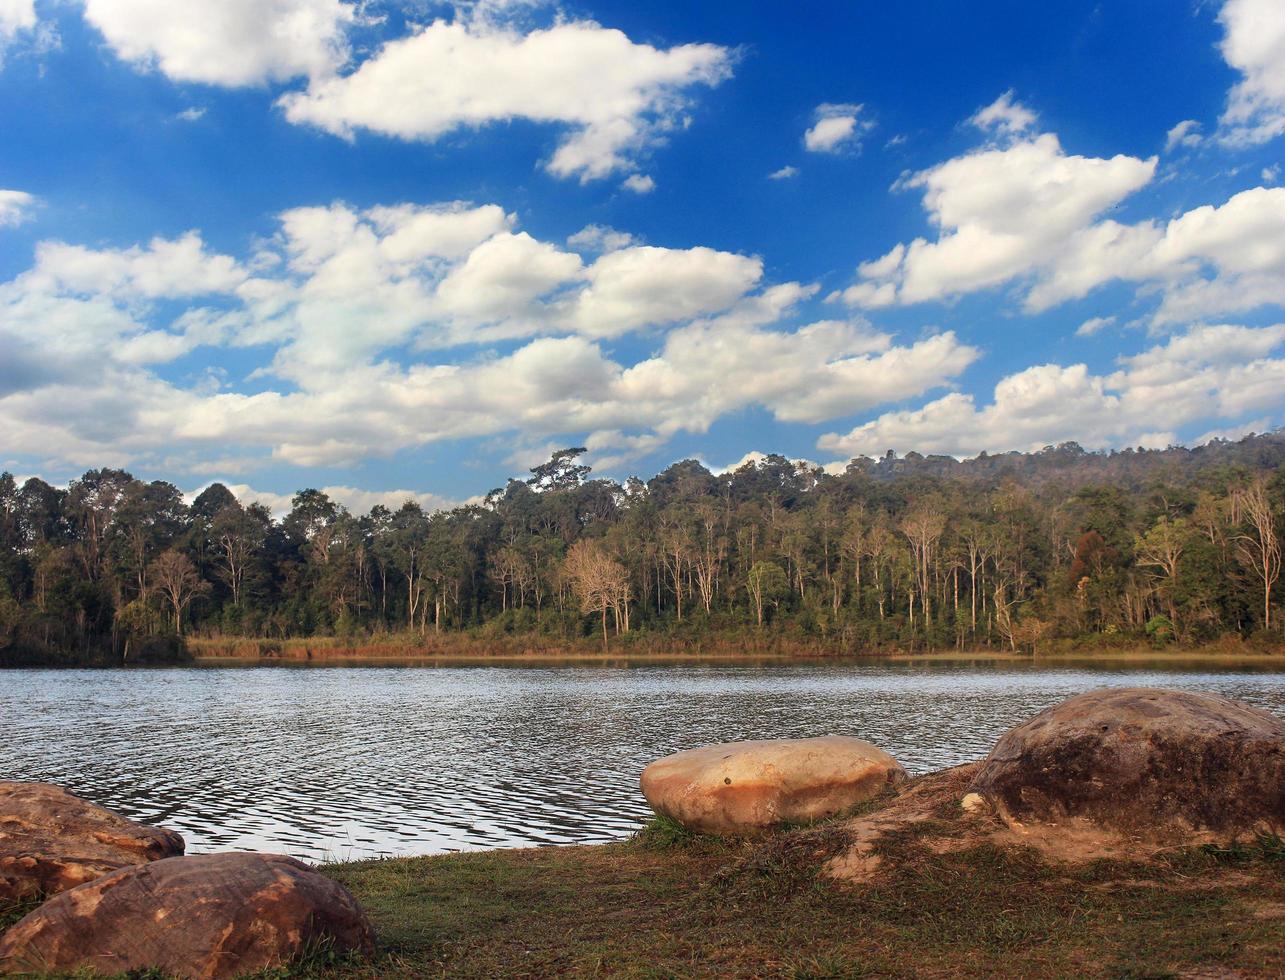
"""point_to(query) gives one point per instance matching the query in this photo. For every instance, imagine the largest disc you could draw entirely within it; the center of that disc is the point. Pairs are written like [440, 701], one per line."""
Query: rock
[1152, 764]
[51, 841]
[745, 787]
[207, 916]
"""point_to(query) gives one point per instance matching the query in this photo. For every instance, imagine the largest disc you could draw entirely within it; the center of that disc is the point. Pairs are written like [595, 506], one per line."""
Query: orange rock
[51, 841]
[209, 916]
[1145, 762]
[743, 788]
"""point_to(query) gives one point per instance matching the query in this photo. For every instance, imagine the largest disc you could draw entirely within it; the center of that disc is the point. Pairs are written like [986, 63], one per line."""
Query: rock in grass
[51, 841]
[208, 916]
[1149, 763]
[743, 788]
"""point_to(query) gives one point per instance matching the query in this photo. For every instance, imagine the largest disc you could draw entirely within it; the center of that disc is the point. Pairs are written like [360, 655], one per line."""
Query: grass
[644, 646]
[943, 901]
[670, 904]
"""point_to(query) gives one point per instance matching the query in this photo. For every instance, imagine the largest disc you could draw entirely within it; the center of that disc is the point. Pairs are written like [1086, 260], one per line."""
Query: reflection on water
[360, 761]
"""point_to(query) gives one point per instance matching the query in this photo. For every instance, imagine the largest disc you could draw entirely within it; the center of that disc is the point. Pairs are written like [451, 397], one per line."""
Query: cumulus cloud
[1185, 133]
[648, 286]
[1003, 212]
[1094, 325]
[1005, 116]
[1026, 214]
[164, 268]
[617, 97]
[1209, 261]
[837, 125]
[639, 183]
[1219, 372]
[357, 501]
[600, 238]
[15, 16]
[15, 207]
[227, 42]
[1254, 45]
[343, 306]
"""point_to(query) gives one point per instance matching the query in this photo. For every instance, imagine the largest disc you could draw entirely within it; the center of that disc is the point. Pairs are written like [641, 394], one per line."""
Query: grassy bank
[471, 647]
[668, 905]
[938, 895]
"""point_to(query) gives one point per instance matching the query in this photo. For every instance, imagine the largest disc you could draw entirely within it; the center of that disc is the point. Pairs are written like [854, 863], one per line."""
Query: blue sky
[414, 246]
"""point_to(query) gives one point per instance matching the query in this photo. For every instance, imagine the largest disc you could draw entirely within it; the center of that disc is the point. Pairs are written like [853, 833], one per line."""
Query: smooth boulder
[742, 788]
[1149, 763]
[51, 841]
[208, 916]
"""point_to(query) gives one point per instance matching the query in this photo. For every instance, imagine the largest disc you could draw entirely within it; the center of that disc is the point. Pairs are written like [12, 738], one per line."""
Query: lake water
[350, 762]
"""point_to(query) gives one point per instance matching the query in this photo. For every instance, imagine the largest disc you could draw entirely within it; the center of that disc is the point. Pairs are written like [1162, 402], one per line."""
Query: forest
[1176, 546]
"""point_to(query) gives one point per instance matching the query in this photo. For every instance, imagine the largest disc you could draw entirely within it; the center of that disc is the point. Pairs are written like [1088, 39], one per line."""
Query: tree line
[1003, 551]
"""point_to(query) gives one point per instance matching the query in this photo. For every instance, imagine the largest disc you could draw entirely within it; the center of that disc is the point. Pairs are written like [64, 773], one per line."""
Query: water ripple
[356, 762]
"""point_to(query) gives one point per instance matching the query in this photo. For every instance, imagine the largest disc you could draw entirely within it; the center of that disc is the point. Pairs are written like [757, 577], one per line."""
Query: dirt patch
[924, 801]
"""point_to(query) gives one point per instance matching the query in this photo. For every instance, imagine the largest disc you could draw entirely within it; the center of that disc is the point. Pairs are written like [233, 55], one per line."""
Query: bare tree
[766, 582]
[1161, 548]
[923, 527]
[855, 536]
[707, 561]
[600, 582]
[1259, 546]
[178, 580]
[676, 553]
[880, 549]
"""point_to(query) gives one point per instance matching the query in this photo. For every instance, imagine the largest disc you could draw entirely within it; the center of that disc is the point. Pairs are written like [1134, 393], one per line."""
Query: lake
[353, 762]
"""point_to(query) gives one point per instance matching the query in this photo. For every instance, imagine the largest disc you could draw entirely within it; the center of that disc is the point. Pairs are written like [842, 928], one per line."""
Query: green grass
[671, 904]
[11, 912]
[668, 904]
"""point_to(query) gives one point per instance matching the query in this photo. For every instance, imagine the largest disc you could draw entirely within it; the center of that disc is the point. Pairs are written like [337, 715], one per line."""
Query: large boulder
[208, 916]
[743, 788]
[1151, 764]
[51, 841]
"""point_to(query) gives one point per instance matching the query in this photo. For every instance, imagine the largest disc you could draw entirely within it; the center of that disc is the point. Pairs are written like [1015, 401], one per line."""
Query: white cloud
[639, 184]
[618, 97]
[1003, 213]
[191, 114]
[785, 173]
[351, 292]
[1185, 133]
[648, 286]
[164, 269]
[1028, 215]
[1094, 325]
[1005, 116]
[1254, 45]
[227, 42]
[837, 125]
[356, 501]
[15, 207]
[1270, 174]
[1234, 433]
[505, 275]
[600, 238]
[1210, 372]
[15, 16]
[1209, 261]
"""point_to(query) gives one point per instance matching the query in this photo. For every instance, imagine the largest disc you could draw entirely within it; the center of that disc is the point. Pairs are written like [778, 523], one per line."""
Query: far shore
[466, 649]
